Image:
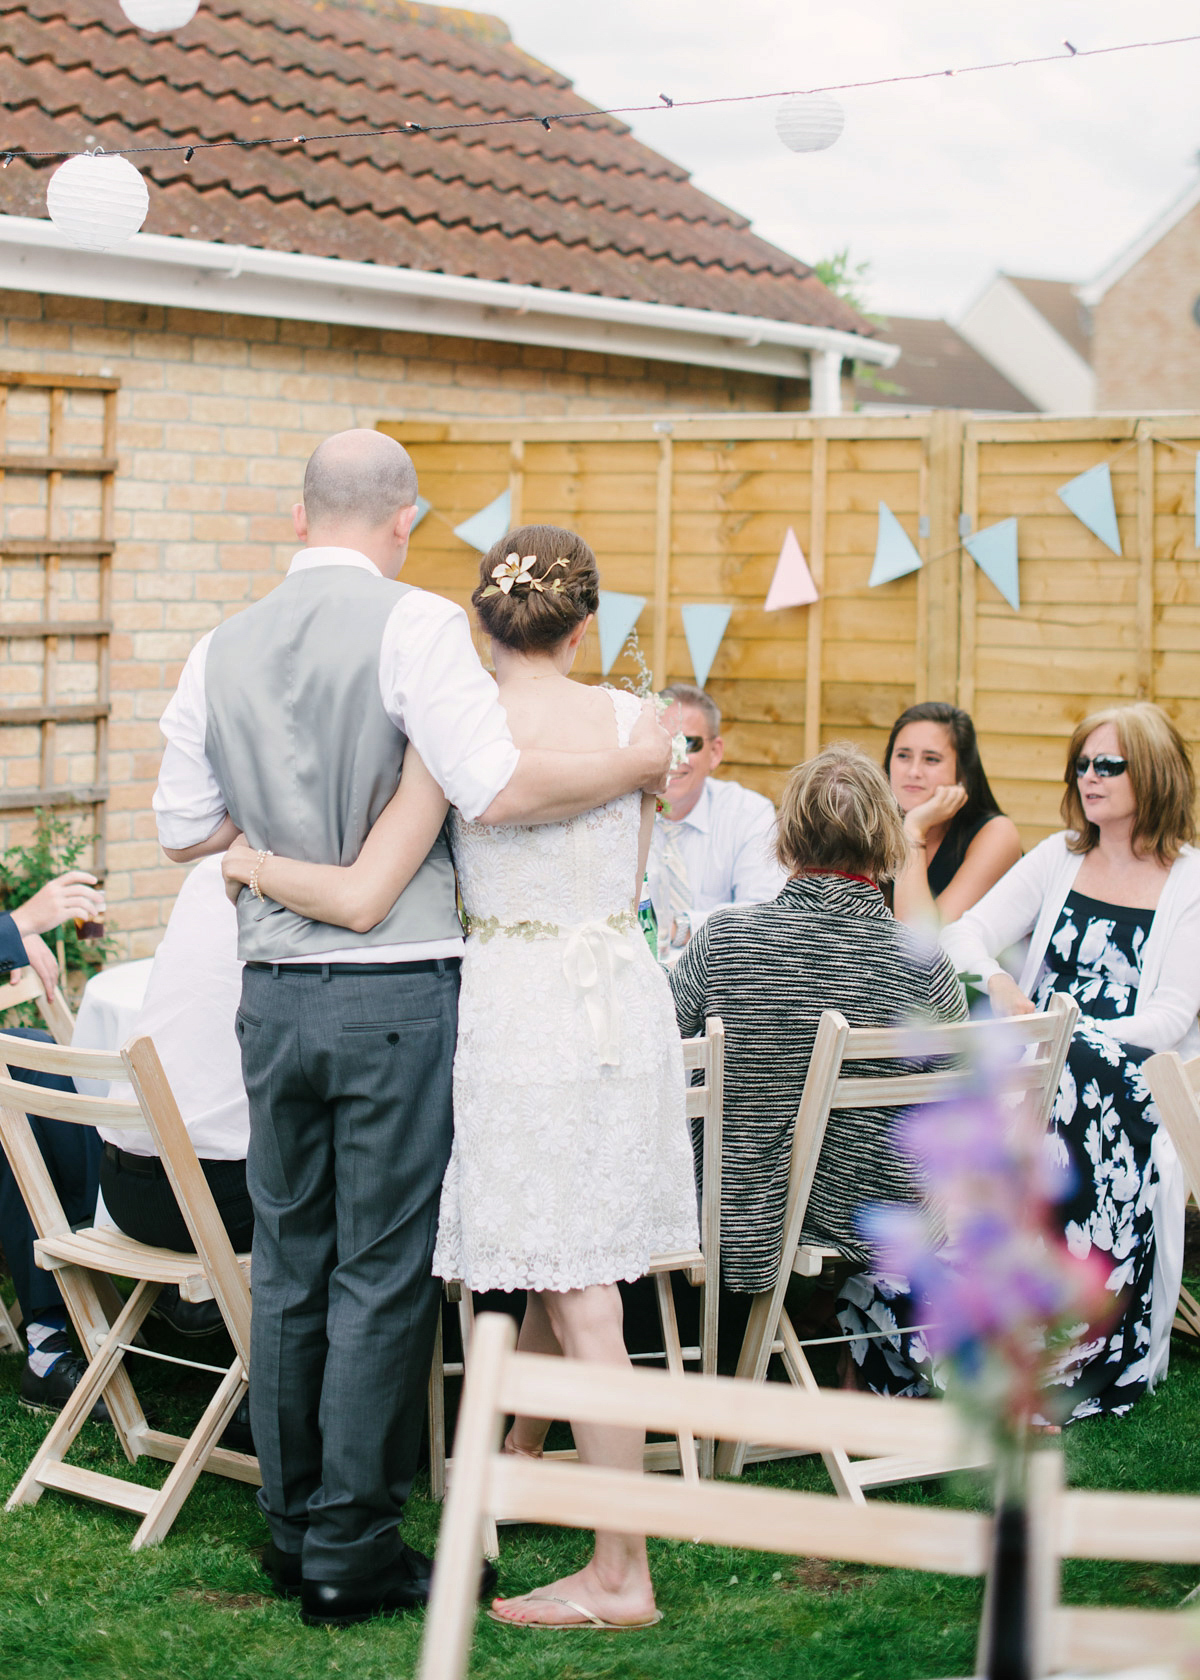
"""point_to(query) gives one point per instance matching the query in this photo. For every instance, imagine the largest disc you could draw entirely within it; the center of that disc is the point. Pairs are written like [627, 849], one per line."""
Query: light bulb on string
[97, 200]
[810, 122]
[156, 15]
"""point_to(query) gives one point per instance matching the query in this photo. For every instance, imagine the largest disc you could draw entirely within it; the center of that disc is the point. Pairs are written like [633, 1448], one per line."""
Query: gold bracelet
[261, 858]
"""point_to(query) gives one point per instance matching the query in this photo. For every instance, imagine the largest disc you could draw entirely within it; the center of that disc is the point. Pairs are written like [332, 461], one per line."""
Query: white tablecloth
[109, 1007]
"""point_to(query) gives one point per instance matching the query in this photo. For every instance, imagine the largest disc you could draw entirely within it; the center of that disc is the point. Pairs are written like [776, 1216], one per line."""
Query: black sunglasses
[1104, 764]
[693, 743]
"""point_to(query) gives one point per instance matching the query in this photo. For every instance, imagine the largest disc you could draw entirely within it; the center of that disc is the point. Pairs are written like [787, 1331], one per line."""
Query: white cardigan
[1029, 899]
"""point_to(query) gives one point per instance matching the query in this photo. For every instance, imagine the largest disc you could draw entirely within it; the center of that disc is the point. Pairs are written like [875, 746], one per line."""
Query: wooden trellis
[54, 547]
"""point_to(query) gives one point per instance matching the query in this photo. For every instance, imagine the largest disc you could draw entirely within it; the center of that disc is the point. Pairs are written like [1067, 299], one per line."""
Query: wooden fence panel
[687, 510]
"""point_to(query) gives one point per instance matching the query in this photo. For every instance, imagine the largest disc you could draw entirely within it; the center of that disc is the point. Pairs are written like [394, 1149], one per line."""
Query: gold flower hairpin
[513, 572]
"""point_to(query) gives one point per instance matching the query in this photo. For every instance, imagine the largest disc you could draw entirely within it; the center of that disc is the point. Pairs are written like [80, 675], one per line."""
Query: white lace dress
[572, 1159]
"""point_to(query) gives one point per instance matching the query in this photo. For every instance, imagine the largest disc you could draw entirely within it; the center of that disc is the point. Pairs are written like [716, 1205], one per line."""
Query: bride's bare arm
[359, 895]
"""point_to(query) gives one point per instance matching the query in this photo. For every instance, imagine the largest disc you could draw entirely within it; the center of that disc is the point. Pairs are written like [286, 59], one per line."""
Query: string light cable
[1070, 54]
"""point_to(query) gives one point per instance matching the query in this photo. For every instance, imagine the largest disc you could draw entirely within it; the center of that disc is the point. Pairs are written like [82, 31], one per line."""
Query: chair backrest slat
[1134, 1527]
[763, 1519]
[862, 1423]
[70, 1106]
[40, 1057]
[1175, 1087]
[959, 1039]
[905, 1089]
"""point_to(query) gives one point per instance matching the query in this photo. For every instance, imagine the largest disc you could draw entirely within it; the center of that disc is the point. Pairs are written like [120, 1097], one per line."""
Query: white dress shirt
[432, 687]
[189, 1008]
[727, 844]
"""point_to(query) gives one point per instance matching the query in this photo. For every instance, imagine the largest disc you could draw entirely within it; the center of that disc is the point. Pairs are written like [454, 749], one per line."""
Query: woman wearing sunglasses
[1112, 910]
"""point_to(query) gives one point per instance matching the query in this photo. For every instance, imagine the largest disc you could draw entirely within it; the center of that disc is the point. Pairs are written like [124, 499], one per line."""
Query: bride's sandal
[590, 1619]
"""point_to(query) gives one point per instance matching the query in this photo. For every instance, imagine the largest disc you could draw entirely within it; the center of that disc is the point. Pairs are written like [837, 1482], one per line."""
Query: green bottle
[647, 920]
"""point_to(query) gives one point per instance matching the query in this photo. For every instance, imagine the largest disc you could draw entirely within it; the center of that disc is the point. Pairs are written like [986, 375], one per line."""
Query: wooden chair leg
[437, 1417]
[751, 1367]
[191, 1461]
[11, 1340]
[837, 1463]
[96, 1380]
[95, 1304]
[674, 1353]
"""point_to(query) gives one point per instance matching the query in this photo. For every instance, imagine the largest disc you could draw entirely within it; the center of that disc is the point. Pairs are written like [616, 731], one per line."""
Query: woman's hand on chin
[1008, 998]
[942, 804]
[236, 865]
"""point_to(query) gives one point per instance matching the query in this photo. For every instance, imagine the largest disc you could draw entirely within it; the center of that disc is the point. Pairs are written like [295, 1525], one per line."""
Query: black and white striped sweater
[768, 970]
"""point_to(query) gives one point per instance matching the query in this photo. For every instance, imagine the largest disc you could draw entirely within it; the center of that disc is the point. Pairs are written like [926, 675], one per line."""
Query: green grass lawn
[75, 1602]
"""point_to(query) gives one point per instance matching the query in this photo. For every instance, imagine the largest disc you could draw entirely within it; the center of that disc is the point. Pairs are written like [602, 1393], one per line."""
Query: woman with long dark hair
[959, 841]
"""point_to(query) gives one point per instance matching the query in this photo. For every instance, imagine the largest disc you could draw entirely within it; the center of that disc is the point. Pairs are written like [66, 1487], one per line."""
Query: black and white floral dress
[1103, 1129]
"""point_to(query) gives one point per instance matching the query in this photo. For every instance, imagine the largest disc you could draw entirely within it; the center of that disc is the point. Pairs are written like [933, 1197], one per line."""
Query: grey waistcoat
[306, 757]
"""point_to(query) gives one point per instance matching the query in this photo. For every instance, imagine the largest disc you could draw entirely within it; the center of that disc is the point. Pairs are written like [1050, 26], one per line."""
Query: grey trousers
[349, 1081]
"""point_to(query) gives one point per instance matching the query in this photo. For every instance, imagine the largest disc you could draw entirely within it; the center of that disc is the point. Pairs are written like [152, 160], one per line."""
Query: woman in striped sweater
[827, 941]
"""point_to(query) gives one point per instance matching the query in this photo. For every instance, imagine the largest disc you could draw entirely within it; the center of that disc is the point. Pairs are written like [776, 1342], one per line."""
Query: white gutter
[240, 280]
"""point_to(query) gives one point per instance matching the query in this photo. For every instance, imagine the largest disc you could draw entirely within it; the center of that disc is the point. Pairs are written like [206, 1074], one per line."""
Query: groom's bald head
[358, 480]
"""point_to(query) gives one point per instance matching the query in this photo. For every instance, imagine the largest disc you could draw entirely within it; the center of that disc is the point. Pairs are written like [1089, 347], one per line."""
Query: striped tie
[679, 888]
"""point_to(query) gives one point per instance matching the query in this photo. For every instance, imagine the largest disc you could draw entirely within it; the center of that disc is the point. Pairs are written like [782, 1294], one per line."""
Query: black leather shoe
[404, 1585]
[282, 1569]
[51, 1392]
[236, 1437]
[187, 1318]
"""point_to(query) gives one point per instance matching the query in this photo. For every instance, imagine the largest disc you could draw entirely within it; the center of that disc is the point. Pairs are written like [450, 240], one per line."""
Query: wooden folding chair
[85, 1262]
[1042, 1040]
[702, 1267]
[1175, 1086]
[489, 1485]
[1126, 1527]
[56, 1013]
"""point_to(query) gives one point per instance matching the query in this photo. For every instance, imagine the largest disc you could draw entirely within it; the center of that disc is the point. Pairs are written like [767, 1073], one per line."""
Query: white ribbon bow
[590, 960]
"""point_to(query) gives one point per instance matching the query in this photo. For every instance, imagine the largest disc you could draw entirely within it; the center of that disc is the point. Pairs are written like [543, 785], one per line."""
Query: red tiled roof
[584, 207]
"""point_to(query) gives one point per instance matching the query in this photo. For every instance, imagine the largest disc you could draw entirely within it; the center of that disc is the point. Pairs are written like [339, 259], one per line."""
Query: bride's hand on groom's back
[235, 866]
[652, 741]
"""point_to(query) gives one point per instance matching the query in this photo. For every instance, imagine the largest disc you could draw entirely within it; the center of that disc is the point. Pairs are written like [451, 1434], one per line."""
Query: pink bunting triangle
[792, 585]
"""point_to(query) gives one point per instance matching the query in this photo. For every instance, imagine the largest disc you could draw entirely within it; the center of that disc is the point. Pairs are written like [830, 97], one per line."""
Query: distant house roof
[582, 207]
[1059, 303]
[939, 369]
[1146, 241]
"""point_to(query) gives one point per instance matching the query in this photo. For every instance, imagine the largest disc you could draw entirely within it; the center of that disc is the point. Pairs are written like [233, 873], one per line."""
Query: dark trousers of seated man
[72, 1156]
[138, 1194]
[348, 1073]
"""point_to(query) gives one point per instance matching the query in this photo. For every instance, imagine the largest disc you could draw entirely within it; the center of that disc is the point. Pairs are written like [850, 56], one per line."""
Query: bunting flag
[616, 616]
[488, 525]
[895, 555]
[704, 624]
[1090, 499]
[792, 585]
[423, 508]
[994, 551]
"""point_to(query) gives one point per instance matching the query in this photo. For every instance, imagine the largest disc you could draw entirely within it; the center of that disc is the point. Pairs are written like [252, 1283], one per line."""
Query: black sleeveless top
[947, 860]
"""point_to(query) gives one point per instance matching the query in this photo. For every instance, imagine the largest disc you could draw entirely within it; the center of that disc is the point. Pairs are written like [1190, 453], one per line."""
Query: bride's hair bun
[535, 586]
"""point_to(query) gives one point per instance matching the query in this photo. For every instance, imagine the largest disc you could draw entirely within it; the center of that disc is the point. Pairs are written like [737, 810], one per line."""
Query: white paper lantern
[156, 15]
[97, 200]
[810, 122]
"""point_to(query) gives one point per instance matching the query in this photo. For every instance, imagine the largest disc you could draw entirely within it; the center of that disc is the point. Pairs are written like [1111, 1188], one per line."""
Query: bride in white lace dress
[572, 1160]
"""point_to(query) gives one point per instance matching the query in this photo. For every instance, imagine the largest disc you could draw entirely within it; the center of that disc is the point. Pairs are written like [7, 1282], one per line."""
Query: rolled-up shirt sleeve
[434, 689]
[188, 804]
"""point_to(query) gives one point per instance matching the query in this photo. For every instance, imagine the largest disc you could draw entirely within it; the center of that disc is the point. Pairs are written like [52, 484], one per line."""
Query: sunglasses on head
[1104, 764]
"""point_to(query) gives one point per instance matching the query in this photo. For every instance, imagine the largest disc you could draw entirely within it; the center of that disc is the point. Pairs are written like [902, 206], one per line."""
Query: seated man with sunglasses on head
[714, 841]
[1113, 909]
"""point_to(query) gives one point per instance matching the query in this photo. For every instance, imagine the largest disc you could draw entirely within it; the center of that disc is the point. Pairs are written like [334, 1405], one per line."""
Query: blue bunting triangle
[616, 616]
[704, 624]
[994, 551]
[488, 525]
[1090, 499]
[895, 555]
[423, 508]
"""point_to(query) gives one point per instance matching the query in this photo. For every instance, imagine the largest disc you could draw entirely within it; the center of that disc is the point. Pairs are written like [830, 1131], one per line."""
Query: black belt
[430, 965]
[145, 1166]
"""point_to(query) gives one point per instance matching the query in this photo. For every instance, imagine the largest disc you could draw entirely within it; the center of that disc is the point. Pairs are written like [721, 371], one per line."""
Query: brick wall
[217, 414]
[1146, 338]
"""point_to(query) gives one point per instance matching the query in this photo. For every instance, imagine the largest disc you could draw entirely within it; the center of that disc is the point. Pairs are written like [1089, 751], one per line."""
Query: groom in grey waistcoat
[289, 724]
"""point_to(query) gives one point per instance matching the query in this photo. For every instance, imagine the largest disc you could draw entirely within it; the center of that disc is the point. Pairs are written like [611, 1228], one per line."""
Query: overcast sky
[1048, 170]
